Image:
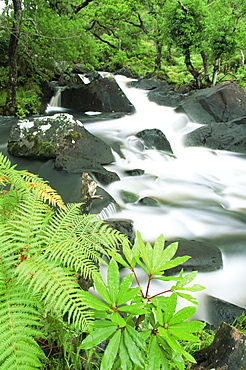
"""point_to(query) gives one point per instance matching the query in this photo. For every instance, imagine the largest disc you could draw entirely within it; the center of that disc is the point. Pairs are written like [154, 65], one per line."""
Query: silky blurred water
[200, 192]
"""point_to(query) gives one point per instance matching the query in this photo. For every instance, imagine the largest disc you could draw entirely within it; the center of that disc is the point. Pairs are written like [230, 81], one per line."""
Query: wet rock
[128, 197]
[160, 91]
[135, 172]
[148, 201]
[154, 138]
[205, 257]
[224, 136]
[106, 177]
[227, 351]
[221, 103]
[125, 226]
[102, 95]
[61, 137]
[219, 310]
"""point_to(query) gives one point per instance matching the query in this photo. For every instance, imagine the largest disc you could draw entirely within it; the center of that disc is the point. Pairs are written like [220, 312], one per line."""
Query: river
[200, 192]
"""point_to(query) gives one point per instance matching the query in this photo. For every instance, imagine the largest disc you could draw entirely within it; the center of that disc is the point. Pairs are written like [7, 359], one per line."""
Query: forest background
[196, 42]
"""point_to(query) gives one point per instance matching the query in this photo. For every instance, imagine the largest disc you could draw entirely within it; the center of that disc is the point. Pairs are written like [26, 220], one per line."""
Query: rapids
[201, 192]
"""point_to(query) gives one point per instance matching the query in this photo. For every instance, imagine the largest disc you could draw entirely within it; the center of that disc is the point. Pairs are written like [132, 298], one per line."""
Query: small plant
[142, 331]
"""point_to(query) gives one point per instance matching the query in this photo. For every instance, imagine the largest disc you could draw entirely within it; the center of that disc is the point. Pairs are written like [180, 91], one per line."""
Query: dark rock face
[220, 310]
[227, 351]
[224, 136]
[102, 95]
[221, 103]
[160, 91]
[155, 138]
[204, 256]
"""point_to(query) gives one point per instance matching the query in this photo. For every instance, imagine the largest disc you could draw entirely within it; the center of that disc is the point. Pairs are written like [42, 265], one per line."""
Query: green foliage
[44, 247]
[143, 331]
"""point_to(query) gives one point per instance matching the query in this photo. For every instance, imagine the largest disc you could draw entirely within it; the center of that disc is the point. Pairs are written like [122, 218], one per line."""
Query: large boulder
[103, 95]
[205, 257]
[224, 136]
[221, 103]
[61, 137]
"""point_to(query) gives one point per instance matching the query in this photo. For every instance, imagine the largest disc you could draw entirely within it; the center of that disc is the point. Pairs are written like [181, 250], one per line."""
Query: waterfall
[55, 101]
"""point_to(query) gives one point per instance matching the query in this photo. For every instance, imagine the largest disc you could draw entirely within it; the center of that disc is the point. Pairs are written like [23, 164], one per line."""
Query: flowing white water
[201, 192]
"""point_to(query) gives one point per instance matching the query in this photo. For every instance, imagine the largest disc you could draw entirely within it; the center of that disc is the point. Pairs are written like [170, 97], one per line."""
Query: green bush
[142, 331]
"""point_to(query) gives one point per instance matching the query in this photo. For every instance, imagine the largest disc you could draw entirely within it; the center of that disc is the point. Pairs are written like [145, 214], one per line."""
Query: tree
[10, 107]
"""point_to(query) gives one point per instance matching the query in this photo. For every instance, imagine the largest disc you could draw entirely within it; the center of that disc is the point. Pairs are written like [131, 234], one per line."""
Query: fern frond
[19, 322]
[28, 183]
[59, 290]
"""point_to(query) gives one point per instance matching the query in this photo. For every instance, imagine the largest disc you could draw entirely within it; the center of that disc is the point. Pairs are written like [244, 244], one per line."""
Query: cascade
[201, 192]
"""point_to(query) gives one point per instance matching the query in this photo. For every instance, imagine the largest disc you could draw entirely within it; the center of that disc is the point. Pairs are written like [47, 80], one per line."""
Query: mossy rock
[128, 197]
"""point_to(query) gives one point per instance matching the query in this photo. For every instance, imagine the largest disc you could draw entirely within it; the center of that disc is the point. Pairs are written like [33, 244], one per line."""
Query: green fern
[42, 252]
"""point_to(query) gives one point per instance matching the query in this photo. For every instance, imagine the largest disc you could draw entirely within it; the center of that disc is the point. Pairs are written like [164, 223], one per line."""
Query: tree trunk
[10, 105]
[192, 70]
[158, 46]
[205, 66]
[215, 71]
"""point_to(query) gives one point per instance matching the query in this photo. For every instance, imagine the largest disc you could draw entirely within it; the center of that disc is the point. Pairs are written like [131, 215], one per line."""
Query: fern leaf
[59, 290]
[19, 321]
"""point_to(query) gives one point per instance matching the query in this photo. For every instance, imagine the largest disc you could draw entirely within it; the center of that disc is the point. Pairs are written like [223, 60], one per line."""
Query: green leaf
[126, 363]
[193, 288]
[144, 252]
[135, 309]
[126, 294]
[117, 257]
[133, 350]
[188, 297]
[102, 289]
[154, 357]
[171, 307]
[169, 252]
[183, 314]
[188, 326]
[97, 337]
[158, 312]
[136, 337]
[129, 254]
[94, 302]
[157, 254]
[115, 317]
[183, 335]
[111, 351]
[174, 262]
[113, 279]
[186, 279]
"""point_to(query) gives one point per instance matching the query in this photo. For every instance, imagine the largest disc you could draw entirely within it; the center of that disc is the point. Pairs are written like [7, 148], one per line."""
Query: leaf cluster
[143, 330]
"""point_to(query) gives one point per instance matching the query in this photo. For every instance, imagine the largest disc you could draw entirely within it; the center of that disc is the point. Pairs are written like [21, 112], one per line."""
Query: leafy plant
[44, 247]
[143, 331]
